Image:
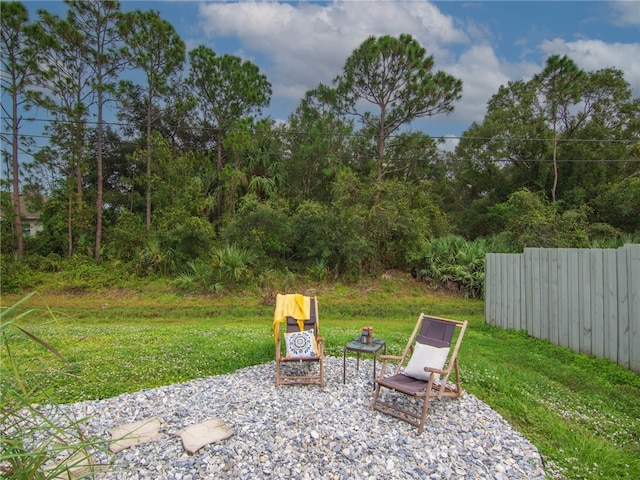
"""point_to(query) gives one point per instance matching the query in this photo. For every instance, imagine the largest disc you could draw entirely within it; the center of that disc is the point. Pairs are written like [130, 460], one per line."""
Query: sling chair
[296, 321]
[422, 371]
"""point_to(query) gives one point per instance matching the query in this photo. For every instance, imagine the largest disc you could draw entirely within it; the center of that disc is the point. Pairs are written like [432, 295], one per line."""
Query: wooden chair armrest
[389, 357]
[385, 359]
[436, 370]
[446, 371]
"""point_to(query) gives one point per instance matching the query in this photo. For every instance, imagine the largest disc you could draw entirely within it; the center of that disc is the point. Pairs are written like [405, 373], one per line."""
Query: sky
[300, 44]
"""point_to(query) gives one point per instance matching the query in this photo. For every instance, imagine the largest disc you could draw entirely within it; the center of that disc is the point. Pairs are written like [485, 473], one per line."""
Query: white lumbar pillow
[426, 356]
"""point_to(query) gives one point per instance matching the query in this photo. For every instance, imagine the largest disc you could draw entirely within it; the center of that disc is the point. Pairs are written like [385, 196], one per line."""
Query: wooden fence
[584, 299]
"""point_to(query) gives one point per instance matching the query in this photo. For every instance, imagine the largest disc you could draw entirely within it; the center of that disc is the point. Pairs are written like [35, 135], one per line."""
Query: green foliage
[278, 280]
[530, 221]
[83, 273]
[317, 234]
[227, 266]
[8, 240]
[618, 205]
[313, 195]
[399, 221]
[233, 264]
[453, 263]
[335, 237]
[395, 76]
[15, 275]
[152, 259]
[319, 270]
[229, 91]
[527, 220]
[199, 277]
[566, 135]
[185, 236]
[128, 230]
[36, 441]
[262, 227]
[51, 263]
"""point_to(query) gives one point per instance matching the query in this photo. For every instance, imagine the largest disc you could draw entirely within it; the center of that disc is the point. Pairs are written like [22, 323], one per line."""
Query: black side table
[355, 345]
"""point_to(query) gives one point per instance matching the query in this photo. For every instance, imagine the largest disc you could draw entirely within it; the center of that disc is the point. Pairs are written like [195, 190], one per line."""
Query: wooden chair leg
[375, 396]
[423, 418]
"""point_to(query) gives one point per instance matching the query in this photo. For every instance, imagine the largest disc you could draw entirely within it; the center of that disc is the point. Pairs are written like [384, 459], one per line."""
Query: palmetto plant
[201, 276]
[151, 258]
[319, 269]
[454, 263]
[225, 266]
[233, 263]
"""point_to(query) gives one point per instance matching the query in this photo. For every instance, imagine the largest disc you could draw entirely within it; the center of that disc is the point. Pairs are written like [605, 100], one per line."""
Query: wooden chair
[299, 365]
[423, 370]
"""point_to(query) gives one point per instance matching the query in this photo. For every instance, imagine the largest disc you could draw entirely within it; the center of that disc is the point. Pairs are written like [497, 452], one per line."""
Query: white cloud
[299, 45]
[626, 13]
[308, 43]
[594, 55]
[482, 74]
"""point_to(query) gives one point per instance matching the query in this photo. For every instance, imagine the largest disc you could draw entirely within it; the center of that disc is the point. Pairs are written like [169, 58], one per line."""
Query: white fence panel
[633, 290]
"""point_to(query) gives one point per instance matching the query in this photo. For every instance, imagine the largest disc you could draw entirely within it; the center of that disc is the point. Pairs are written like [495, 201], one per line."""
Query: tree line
[191, 180]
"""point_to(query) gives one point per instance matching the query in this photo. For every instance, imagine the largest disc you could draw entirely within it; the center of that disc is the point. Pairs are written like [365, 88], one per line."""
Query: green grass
[582, 413]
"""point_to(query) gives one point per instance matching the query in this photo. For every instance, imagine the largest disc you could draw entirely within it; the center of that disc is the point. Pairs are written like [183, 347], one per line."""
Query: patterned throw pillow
[301, 344]
[426, 356]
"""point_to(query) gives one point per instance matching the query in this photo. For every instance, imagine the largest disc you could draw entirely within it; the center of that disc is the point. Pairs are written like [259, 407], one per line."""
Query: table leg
[344, 365]
[374, 369]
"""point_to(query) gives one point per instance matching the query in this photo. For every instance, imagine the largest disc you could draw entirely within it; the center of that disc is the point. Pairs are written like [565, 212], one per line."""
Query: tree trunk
[555, 168]
[381, 139]
[219, 171]
[148, 165]
[69, 224]
[99, 200]
[17, 204]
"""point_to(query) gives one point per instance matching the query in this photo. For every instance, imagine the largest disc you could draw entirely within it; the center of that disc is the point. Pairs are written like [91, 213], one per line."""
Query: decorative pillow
[301, 344]
[426, 356]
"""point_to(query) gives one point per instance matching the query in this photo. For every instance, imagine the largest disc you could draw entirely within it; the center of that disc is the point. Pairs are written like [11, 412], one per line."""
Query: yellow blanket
[292, 305]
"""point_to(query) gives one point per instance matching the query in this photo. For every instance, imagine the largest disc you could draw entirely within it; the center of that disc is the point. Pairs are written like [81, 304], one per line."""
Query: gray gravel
[308, 432]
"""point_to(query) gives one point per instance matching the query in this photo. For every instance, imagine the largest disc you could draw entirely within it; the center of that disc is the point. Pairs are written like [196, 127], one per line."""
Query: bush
[332, 237]
[129, 230]
[264, 228]
[226, 266]
[17, 276]
[83, 273]
[618, 205]
[185, 236]
[452, 263]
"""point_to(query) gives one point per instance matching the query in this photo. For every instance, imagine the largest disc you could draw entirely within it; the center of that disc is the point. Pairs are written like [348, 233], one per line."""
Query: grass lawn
[582, 413]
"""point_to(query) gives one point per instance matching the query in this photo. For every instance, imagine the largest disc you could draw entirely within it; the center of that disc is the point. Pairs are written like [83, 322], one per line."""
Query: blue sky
[486, 44]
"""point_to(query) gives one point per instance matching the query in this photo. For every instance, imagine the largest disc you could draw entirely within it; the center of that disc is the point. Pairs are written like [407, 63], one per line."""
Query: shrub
[453, 263]
[225, 266]
[16, 276]
[83, 273]
[262, 227]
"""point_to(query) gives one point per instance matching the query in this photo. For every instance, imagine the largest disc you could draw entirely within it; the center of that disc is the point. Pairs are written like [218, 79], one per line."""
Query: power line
[355, 135]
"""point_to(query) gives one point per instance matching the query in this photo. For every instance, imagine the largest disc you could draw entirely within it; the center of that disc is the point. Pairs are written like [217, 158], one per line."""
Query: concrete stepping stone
[125, 436]
[194, 437]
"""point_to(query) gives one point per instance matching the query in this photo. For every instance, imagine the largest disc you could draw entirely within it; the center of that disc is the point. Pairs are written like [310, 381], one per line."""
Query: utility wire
[355, 135]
